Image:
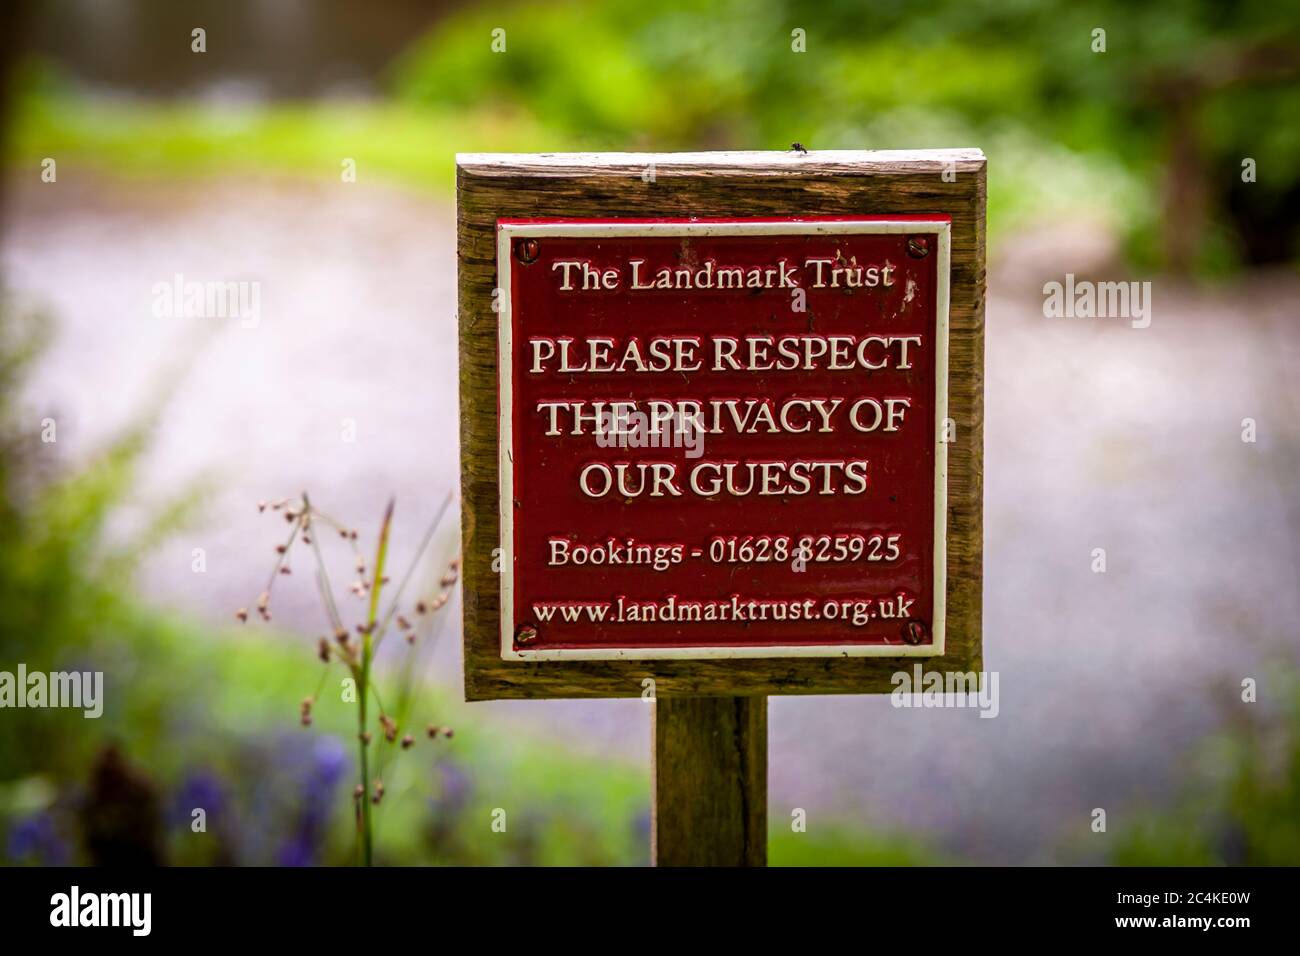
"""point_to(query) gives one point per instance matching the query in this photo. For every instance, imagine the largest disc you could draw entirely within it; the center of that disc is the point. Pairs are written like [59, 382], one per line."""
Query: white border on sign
[509, 231]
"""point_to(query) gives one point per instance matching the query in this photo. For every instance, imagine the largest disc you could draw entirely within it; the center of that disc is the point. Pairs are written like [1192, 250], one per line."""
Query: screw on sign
[710, 451]
[914, 632]
[527, 250]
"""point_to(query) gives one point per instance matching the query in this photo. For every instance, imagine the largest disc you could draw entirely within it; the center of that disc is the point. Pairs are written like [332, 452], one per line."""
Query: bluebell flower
[199, 789]
[455, 788]
[329, 762]
[641, 824]
[37, 839]
[298, 851]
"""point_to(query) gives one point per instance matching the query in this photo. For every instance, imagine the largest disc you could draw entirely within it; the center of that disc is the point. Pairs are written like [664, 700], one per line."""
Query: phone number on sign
[817, 549]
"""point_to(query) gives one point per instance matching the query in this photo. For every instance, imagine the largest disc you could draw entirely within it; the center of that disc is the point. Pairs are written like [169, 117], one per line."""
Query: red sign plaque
[723, 439]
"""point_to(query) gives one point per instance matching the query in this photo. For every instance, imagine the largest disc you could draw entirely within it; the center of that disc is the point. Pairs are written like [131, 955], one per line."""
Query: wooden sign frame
[611, 186]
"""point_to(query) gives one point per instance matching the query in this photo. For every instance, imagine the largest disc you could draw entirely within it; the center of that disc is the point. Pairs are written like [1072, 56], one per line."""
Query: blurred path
[1097, 435]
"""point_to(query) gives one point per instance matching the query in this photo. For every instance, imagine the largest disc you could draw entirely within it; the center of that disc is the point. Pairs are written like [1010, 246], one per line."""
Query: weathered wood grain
[495, 186]
[710, 782]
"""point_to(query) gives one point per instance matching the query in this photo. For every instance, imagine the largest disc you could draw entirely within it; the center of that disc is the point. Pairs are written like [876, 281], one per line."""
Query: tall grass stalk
[358, 657]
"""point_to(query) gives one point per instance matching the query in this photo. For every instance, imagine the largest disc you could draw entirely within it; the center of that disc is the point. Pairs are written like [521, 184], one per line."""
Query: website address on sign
[858, 612]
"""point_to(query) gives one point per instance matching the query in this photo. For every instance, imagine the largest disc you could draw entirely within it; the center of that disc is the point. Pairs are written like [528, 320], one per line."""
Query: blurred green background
[1150, 130]
[1145, 140]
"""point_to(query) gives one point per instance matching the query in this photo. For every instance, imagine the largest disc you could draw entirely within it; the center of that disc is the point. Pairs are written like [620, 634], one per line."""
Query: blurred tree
[1179, 91]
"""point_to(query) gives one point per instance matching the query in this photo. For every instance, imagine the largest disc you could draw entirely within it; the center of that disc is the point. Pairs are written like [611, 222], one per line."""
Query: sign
[722, 425]
[723, 439]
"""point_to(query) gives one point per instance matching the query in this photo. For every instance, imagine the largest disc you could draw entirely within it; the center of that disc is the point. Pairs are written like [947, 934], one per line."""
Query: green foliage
[1070, 132]
[135, 139]
[1243, 803]
[220, 708]
[1067, 127]
[838, 844]
[60, 576]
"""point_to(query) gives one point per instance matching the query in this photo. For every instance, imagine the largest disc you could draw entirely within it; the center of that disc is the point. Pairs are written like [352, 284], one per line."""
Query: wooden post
[709, 772]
